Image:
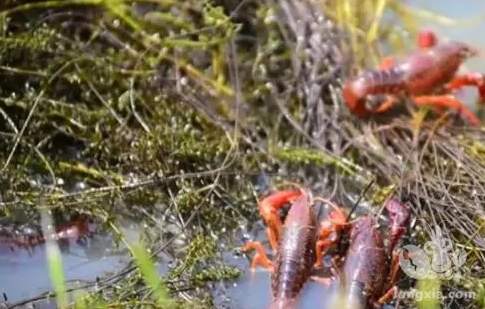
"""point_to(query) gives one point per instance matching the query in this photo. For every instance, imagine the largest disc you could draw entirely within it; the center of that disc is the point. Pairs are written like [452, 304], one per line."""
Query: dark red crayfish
[294, 243]
[369, 271]
[427, 76]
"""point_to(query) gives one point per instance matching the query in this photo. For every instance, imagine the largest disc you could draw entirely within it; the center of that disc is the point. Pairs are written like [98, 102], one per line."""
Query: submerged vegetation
[174, 114]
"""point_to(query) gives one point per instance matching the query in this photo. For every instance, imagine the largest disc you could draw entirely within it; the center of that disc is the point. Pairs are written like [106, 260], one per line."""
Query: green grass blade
[54, 261]
[151, 275]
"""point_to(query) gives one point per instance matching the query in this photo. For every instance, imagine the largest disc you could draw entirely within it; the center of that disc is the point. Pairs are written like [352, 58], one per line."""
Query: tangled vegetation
[169, 113]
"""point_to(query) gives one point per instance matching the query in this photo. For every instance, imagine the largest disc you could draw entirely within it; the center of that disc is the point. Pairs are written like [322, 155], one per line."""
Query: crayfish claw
[427, 39]
[268, 209]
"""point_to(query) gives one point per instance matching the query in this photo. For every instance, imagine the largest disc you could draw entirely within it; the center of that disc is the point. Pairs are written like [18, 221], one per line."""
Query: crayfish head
[400, 217]
[453, 52]
[469, 52]
[398, 213]
[465, 51]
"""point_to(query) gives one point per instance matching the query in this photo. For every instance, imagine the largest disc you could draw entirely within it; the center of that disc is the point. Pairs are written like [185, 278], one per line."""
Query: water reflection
[24, 271]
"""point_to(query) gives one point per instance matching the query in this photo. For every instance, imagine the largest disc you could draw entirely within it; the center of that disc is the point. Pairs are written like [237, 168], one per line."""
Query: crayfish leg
[447, 101]
[386, 63]
[394, 269]
[261, 258]
[471, 79]
[274, 231]
[334, 225]
[390, 102]
[321, 247]
[386, 297]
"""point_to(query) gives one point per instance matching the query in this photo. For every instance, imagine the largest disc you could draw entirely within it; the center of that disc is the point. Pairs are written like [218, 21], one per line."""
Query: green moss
[201, 248]
[216, 274]
[314, 157]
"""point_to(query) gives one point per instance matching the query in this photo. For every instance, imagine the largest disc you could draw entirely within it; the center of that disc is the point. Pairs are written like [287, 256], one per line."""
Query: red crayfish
[369, 270]
[294, 243]
[427, 76]
[299, 245]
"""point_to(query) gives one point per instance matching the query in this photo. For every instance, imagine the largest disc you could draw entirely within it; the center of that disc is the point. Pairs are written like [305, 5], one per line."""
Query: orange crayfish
[427, 76]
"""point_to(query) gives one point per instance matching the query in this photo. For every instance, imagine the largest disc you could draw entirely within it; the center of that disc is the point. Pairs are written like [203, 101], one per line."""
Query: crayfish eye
[467, 52]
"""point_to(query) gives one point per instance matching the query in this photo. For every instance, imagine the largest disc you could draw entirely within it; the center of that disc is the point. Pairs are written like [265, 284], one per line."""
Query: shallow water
[253, 293]
[25, 274]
